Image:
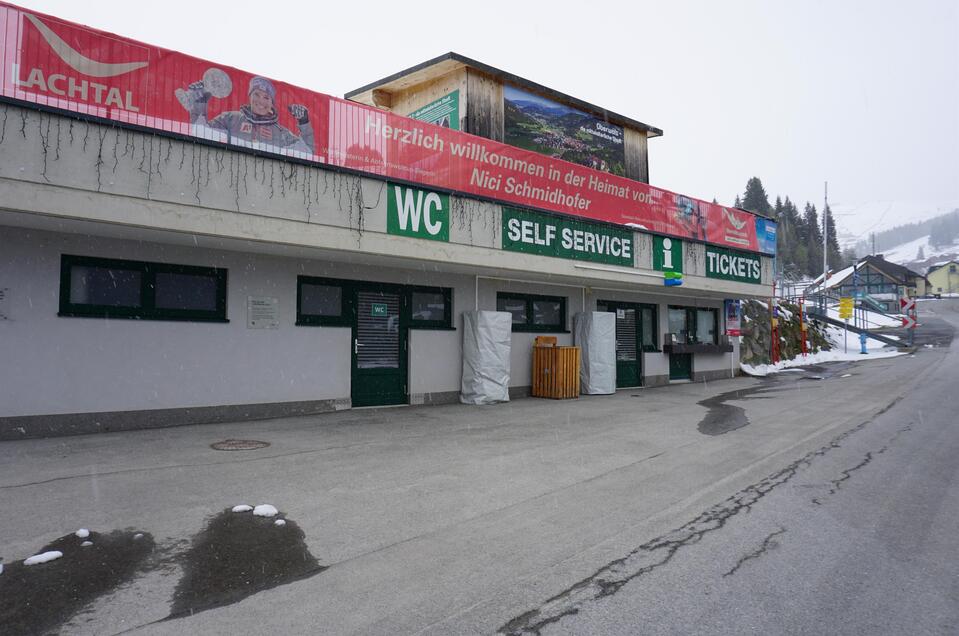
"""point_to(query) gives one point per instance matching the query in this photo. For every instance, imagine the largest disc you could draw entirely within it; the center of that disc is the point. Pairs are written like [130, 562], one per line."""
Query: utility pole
[825, 229]
[825, 232]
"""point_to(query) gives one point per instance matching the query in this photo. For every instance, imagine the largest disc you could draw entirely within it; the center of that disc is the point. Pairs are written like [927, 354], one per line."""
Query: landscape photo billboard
[542, 125]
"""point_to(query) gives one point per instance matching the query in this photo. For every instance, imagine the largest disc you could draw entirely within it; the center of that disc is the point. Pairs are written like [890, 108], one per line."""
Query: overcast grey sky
[863, 94]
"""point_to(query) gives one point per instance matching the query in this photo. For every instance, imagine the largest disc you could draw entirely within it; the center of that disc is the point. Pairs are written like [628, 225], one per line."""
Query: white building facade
[150, 279]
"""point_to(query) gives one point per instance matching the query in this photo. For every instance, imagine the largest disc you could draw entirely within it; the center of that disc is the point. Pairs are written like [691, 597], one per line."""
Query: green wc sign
[418, 213]
[667, 254]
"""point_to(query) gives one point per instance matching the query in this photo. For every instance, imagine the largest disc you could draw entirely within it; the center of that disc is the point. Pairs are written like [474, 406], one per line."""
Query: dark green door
[379, 347]
[629, 356]
[680, 366]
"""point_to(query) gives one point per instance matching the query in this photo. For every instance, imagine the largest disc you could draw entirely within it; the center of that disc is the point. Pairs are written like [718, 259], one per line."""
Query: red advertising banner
[62, 65]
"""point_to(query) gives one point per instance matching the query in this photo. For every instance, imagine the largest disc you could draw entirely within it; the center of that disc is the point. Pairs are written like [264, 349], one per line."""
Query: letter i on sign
[667, 254]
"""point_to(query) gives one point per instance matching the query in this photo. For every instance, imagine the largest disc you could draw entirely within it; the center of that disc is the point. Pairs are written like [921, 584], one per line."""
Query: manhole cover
[238, 445]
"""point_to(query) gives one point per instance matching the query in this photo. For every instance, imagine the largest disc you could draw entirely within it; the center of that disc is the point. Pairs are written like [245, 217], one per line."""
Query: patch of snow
[242, 508]
[836, 355]
[873, 319]
[43, 558]
[1, 568]
[138, 535]
[279, 522]
[82, 533]
[265, 510]
[846, 375]
[907, 252]
[86, 544]
[834, 334]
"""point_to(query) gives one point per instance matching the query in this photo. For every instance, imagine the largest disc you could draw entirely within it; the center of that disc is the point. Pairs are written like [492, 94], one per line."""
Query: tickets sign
[732, 265]
[66, 66]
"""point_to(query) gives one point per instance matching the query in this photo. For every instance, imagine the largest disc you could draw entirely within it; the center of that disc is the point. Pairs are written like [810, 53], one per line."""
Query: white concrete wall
[54, 364]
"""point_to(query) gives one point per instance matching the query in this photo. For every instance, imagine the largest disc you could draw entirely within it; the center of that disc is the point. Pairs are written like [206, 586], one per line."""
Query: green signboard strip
[534, 233]
[733, 265]
[418, 213]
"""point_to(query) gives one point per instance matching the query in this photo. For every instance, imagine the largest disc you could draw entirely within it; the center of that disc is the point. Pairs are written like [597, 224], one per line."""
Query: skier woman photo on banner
[255, 123]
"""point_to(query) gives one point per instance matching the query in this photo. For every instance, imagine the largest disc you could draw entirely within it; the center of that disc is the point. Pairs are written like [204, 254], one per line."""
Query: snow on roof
[834, 279]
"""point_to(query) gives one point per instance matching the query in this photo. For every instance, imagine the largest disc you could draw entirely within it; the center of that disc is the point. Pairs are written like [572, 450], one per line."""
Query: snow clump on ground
[242, 508]
[43, 558]
[265, 510]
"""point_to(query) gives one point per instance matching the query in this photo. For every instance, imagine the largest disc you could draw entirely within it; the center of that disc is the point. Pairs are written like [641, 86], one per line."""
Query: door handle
[356, 345]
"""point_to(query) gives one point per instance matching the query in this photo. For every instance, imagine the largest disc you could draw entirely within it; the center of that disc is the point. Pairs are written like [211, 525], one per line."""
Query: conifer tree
[755, 199]
[813, 241]
[832, 241]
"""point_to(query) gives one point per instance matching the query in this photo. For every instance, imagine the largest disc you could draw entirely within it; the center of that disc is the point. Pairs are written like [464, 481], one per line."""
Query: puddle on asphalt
[238, 555]
[723, 418]
[38, 599]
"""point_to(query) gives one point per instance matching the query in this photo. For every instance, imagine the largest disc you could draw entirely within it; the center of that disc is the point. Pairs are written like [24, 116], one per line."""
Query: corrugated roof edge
[607, 115]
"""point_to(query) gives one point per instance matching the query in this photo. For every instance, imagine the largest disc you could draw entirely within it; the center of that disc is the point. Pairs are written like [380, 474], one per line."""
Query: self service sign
[733, 265]
[535, 233]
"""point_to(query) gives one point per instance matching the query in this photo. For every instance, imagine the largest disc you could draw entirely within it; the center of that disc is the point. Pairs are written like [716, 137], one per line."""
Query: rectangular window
[542, 314]
[649, 328]
[431, 307]
[322, 301]
[105, 286]
[678, 324]
[694, 325]
[330, 302]
[110, 288]
[706, 326]
[515, 306]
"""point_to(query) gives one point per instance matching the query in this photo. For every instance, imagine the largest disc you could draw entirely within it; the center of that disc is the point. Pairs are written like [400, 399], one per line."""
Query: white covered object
[595, 335]
[487, 336]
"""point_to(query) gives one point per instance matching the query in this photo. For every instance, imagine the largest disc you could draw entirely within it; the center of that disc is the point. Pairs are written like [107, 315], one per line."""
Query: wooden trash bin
[555, 369]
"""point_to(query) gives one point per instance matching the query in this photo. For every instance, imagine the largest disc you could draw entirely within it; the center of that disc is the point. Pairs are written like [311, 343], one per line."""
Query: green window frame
[446, 296]
[530, 324]
[692, 325]
[149, 296]
[305, 317]
[346, 315]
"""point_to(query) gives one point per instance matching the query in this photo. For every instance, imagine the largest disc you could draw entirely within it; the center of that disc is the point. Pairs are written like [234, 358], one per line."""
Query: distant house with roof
[943, 278]
[874, 276]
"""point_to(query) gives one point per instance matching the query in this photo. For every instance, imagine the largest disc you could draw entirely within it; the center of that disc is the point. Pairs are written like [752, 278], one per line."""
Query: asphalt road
[817, 501]
[860, 536]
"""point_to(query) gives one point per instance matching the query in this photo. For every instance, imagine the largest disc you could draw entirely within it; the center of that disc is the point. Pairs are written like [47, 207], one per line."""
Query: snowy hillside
[907, 254]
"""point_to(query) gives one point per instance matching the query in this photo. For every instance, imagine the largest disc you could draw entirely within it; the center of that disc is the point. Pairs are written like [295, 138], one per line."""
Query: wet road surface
[857, 537]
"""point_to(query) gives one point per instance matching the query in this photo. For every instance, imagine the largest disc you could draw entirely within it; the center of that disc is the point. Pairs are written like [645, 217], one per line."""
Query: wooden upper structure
[481, 102]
